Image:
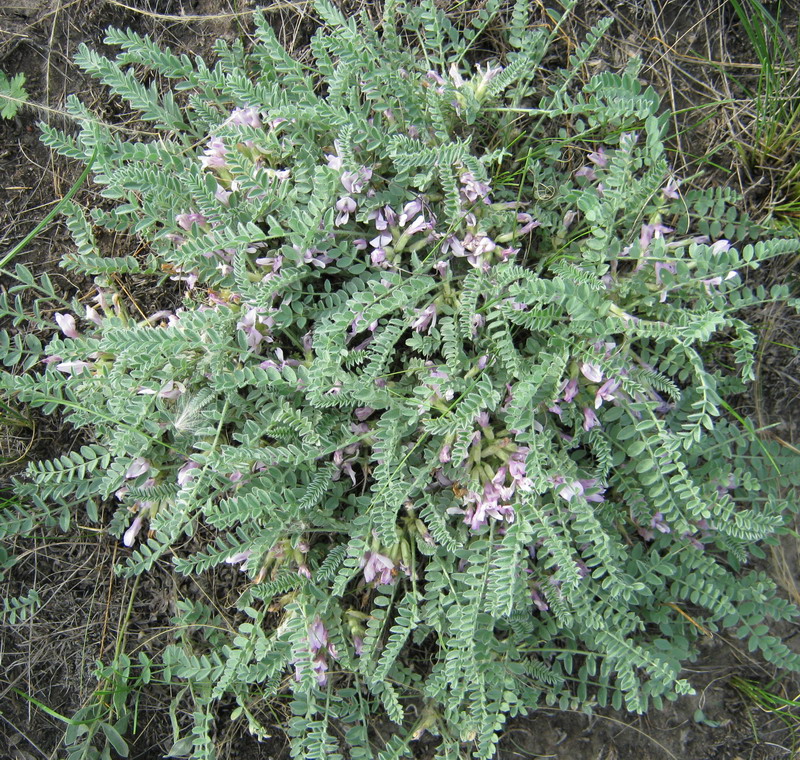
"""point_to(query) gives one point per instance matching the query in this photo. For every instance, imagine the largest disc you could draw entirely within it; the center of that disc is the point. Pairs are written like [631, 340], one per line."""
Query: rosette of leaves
[438, 385]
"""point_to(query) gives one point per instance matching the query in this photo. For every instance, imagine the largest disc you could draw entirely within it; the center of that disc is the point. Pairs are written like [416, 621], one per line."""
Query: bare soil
[50, 658]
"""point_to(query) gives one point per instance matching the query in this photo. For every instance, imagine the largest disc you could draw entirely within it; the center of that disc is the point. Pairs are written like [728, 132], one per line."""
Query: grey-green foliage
[475, 466]
[12, 94]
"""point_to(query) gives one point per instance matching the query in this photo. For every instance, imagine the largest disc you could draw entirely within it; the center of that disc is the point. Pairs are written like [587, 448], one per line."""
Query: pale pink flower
[215, 155]
[591, 372]
[92, 315]
[455, 76]
[185, 474]
[186, 221]
[133, 531]
[569, 490]
[240, 557]
[137, 467]
[247, 117]
[74, 367]
[66, 323]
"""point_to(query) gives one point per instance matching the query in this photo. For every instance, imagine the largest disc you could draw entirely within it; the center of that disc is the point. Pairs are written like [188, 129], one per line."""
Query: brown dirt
[51, 657]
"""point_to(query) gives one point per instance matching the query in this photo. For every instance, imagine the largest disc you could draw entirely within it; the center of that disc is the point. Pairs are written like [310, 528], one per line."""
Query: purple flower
[570, 389]
[455, 75]
[487, 76]
[539, 601]
[378, 257]
[418, 225]
[345, 206]
[344, 460]
[92, 315]
[426, 318]
[317, 636]
[67, 324]
[590, 490]
[650, 232]
[378, 566]
[658, 523]
[570, 490]
[588, 172]
[528, 223]
[589, 419]
[319, 648]
[381, 222]
[474, 189]
[354, 182]
[599, 158]
[707, 284]
[516, 469]
[250, 323]
[412, 208]
[170, 390]
[670, 190]
[334, 162]
[362, 412]
[606, 392]
[381, 240]
[451, 241]
[317, 257]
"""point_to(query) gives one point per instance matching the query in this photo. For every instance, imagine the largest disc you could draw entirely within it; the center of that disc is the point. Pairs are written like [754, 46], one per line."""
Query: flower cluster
[494, 499]
[319, 647]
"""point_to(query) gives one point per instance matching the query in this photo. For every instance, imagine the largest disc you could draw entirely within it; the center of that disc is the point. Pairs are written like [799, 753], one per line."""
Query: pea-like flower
[378, 566]
[606, 392]
[66, 323]
[133, 531]
[345, 206]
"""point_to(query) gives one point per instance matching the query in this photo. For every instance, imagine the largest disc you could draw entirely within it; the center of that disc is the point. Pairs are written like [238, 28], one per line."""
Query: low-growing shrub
[438, 387]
